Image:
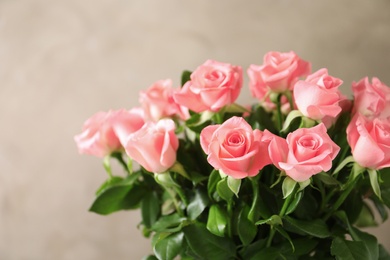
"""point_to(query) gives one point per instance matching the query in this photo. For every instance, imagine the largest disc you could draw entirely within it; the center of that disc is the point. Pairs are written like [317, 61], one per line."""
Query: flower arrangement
[294, 176]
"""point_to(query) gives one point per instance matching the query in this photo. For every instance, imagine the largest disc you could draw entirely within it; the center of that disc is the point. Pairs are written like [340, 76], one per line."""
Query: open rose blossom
[235, 148]
[105, 132]
[371, 99]
[370, 141]
[318, 96]
[213, 85]
[157, 102]
[280, 70]
[304, 153]
[154, 146]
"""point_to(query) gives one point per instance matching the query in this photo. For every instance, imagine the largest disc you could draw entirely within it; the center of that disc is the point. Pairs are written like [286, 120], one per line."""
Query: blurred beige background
[61, 61]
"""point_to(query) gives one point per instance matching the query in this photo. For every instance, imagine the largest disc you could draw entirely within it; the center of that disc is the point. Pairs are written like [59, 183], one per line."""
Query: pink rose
[371, 99]
[105, 132]
[318, 96]
[235, 148]
[157, 102]
[369, 141]
[280, 70]
[213, 85]
[154, 146]
[304, 153]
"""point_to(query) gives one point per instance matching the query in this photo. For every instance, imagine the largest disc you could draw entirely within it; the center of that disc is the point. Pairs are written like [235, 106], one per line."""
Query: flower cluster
[288, 177]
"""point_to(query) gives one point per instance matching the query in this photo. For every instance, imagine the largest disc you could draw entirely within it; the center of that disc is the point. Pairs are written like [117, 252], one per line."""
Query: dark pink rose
[213, 85]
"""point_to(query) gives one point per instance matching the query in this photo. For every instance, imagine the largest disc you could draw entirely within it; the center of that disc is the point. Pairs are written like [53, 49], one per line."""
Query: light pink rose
[371, 99]
[157, 102]
[235, 148]
[154, 146]
[213, 85]
[370, 141]
[318, 96]
[280, 70]
[105, 132]
[304, 153]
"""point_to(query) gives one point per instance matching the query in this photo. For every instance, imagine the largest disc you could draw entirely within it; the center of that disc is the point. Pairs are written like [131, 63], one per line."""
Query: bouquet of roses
[294, 176]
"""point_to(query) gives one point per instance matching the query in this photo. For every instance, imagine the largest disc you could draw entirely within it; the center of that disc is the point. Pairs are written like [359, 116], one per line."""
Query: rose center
[235, 144]
[307, 146]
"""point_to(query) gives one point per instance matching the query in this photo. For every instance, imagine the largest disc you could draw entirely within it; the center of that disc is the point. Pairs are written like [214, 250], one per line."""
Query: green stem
[256, 197]
[271, 236]
[279, 111]
[340, 200]
[172, 194]
[107, 166]
[285, 206]
[230, 214]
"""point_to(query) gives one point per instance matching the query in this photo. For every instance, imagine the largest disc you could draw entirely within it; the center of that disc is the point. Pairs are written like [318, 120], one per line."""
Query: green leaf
[366, 217]
[185, 76]
[326, 178]
[383, 254]
[217, 220]
[119, 196]
[373, 174]
[150, 257]
[109, 183]
[207, 245]
[294, 114]
[198, 203]
[348, 250]
[168, 223]
[169, 247]
[247, 230]
[165, 180]
[303, 246]
[261, 119]
[234, 184]
[294, 203]
[150, 209]
[288, 186]
[269, 253]
[344, 163]
[369, 241]
[273, 221]
[214, 178]
[223, 190]
[285, 235]
[316, 227]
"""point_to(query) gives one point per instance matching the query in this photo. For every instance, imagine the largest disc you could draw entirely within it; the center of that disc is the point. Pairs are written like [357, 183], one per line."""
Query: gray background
[61, 61]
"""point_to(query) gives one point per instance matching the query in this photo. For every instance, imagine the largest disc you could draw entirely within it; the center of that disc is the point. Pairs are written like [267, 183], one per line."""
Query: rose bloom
[212, 86]
[371, 99]
[280, 70]
[154, 146]
[304, 153]
[370, 141]
[105, 132]
[318, 96]
[235, 148]
[157, 102]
